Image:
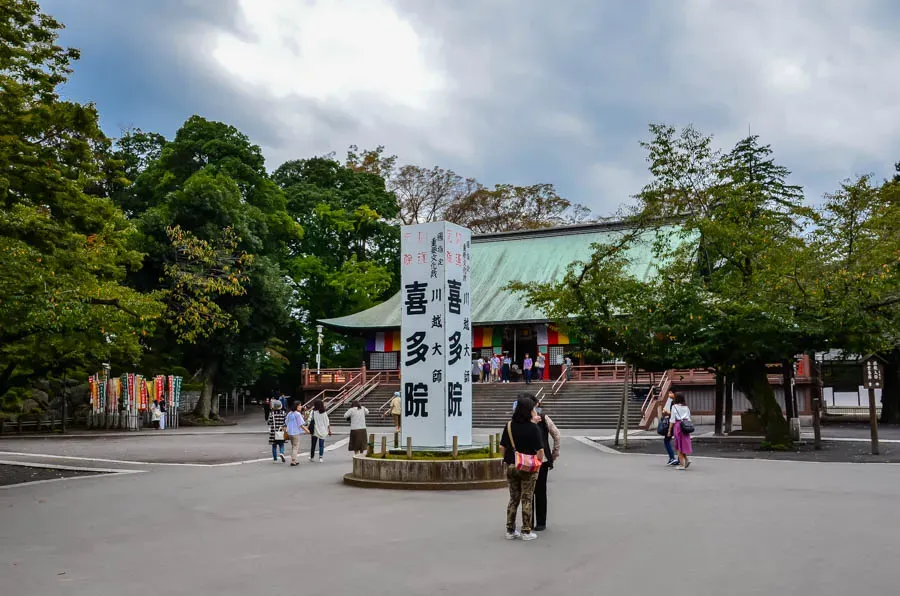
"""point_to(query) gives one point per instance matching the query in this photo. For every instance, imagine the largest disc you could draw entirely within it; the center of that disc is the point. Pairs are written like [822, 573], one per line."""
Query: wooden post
[492, 448]
[383, 447]
[873, 421]
[621, 420]
[396, 440]
[370, 451]
[408, 447]
[455, 447]
[729, 405]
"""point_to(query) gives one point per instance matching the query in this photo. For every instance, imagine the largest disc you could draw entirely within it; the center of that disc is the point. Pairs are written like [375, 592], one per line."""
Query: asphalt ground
[617, 524]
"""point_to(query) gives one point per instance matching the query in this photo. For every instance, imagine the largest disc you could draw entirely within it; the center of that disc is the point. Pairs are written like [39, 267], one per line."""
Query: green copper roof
[527, 256]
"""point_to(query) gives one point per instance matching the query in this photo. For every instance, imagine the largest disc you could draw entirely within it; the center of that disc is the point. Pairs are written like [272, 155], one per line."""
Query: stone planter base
[401, 474]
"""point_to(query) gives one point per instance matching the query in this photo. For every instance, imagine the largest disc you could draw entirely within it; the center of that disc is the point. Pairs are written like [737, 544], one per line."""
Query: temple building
[502, 321]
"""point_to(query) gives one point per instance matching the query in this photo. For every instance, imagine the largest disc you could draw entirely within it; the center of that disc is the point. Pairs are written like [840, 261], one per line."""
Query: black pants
[540, 497]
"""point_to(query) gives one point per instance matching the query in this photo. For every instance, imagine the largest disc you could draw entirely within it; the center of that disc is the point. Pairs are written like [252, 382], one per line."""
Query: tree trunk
[729, 405]
[890, 394]
[753, 380]
[720, 402]
[204, 404]
[787, 374]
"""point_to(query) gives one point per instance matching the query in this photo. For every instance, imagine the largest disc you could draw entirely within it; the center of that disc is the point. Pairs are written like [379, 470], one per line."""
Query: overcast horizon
[501, 90]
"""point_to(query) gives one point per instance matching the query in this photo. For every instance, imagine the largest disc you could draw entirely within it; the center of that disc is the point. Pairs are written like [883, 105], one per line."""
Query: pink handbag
[524, 463]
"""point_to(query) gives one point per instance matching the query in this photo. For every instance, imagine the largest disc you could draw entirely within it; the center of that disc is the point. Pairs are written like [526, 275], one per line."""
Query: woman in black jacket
[523, 436]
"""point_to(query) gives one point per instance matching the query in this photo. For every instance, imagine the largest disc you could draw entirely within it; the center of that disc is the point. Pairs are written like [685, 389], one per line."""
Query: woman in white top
[357, 417]
[319, 428]
[680, 414]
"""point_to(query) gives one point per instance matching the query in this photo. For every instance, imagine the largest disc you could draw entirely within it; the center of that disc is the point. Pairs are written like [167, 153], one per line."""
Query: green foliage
[64, 246]
[721, 295]
[202, 273]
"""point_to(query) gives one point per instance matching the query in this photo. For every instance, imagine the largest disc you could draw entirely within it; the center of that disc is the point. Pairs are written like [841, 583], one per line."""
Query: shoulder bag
[523, 462]
[687, 427]
[663, 427]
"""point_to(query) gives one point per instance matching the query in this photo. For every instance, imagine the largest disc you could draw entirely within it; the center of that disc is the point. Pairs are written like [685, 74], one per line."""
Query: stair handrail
[351, 382]
[651, 403]
[354, 392]
[385, 406]
[554, 389]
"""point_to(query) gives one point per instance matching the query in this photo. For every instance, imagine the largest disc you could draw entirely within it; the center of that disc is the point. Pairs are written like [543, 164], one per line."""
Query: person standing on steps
[527, 365]
[507, 362]
[522, 436]
[567, 362]
[357, 417]
[397, 411]
[476, 370]
[294, 424]
[319, 429]
[548, 431]
[276, 430]
[666, 418]
[539, 364]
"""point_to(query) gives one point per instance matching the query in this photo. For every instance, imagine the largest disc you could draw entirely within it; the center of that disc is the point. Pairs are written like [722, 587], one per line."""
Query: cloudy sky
[518, 91]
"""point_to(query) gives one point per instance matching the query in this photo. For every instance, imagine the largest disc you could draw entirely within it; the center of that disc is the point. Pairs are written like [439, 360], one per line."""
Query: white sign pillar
[436, 334]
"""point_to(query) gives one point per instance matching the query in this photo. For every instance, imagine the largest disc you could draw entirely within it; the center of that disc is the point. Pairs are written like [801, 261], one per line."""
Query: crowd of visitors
[500, 368]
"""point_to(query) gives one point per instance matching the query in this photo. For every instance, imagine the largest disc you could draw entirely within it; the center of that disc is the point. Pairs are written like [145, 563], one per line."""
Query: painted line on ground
[597, 446]
[131, 462]
[97, 473]
[604, 448]
[340, 443]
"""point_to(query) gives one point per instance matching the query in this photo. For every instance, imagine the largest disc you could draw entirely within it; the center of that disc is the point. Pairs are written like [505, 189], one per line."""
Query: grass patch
[438, 455]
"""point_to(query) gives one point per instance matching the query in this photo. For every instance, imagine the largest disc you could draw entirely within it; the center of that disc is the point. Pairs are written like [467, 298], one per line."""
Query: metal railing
[554, 389]
[353, 381]
[355, 392]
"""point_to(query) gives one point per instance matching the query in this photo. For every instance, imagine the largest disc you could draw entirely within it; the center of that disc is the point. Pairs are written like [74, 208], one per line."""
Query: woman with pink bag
[522, 449]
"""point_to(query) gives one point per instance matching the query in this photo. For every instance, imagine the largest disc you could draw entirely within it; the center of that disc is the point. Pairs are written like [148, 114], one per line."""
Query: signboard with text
[436, 334]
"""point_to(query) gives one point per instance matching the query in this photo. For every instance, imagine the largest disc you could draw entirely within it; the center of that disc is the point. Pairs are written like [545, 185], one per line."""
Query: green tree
[724, 231]
[63, 244]
[210, 178]
[347, 260]
[856, 279]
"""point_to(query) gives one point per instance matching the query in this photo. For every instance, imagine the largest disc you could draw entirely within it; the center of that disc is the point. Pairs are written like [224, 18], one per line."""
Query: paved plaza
[619, 524]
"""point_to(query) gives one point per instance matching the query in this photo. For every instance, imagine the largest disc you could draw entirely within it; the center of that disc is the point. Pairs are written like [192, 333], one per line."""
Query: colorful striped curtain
[487, 337]
[388, 341]
[555, 337]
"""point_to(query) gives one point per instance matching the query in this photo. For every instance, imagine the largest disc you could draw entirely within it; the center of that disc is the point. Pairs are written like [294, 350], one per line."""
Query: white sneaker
[321, 460]
[311, 459]
[513, 535]
[529, 536]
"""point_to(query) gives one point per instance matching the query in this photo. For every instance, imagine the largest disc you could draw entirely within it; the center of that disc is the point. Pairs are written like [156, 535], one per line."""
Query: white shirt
[668, 406]
[540, 361]
[680, 412]
[480, 363]
[357, 418]
[322, 424]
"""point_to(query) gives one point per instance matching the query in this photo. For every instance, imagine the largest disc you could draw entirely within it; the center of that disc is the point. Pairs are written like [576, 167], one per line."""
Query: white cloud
[342, 50]
[812, 78]
[508, 91]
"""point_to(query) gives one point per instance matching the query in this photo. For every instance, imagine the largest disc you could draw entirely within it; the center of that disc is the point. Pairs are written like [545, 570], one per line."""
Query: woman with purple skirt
[680, 414]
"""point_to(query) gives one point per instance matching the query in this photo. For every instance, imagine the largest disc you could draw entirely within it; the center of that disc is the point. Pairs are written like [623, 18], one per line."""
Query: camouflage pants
[521, 490]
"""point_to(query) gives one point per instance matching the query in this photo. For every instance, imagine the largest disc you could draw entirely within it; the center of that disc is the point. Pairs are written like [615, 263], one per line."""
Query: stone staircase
[577, 405]
[373, 401]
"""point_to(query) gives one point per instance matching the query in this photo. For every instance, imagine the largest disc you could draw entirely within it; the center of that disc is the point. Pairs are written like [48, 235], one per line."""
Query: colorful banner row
[482, 337]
